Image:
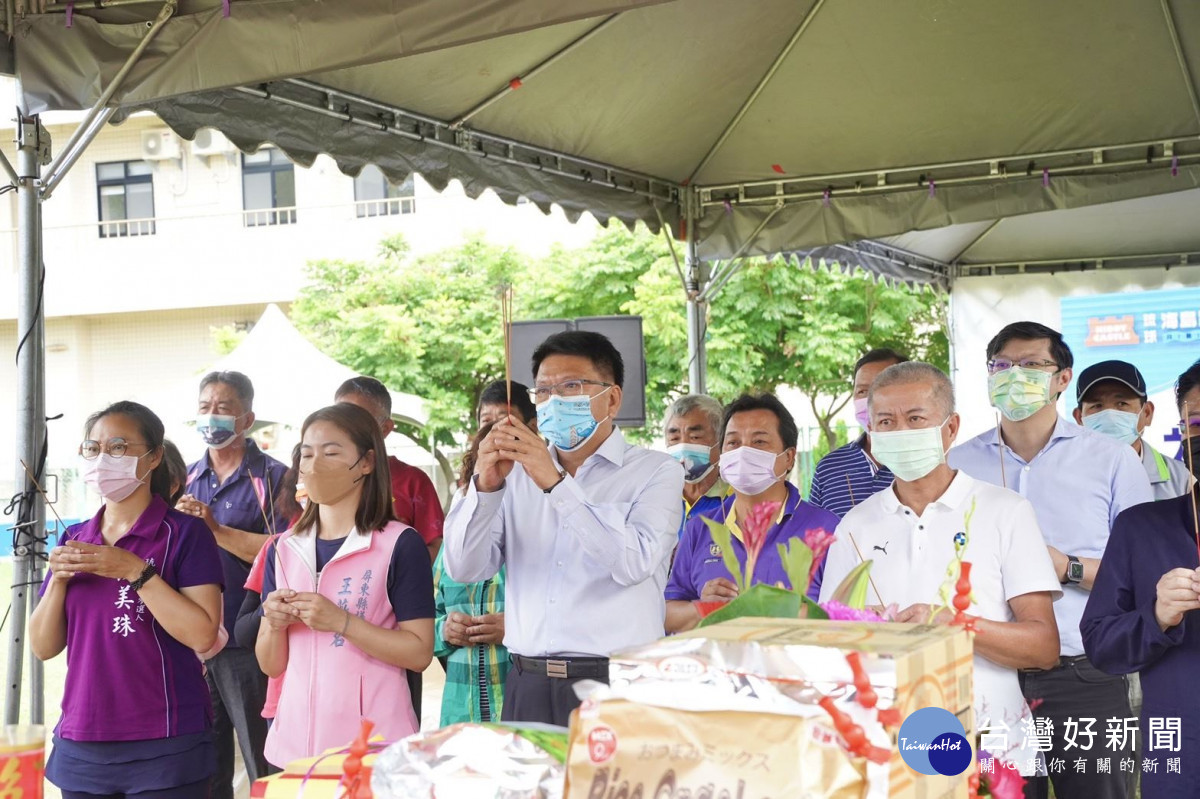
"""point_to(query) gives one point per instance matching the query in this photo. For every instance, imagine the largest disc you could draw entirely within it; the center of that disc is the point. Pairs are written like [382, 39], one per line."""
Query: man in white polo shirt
[910, 531]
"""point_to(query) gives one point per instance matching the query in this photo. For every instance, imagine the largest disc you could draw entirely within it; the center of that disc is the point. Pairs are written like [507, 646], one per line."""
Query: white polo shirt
[911, 555]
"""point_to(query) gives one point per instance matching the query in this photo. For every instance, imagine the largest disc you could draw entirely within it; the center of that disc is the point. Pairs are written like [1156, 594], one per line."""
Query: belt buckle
[557, 669]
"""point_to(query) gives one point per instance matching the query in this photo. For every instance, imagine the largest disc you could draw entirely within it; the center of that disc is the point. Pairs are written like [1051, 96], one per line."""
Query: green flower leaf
[724, 539]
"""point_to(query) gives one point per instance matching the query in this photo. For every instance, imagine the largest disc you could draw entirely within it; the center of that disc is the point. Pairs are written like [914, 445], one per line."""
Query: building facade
[151, 242]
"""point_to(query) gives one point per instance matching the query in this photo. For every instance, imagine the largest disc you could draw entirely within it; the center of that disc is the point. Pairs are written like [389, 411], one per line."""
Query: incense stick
[1000, 438]
[506, 299]
[1187, 444]
[861, 559]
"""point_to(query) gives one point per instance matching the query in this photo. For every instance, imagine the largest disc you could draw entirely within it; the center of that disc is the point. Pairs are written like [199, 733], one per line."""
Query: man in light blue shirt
[1078, 481]
[585, 527]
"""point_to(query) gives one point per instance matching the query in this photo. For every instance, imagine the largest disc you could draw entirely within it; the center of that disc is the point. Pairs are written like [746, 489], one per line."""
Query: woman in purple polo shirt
[132, 595]
[758, 450]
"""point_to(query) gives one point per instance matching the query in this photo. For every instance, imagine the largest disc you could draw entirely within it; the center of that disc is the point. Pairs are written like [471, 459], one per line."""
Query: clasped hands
[459, 629]
[284, 607]
[79, 557]
[511, 441]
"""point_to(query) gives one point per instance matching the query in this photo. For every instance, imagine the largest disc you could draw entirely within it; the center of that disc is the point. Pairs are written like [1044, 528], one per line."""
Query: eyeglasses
[567, 388]
[1189, 427]
[1000, 364]
[90, 450]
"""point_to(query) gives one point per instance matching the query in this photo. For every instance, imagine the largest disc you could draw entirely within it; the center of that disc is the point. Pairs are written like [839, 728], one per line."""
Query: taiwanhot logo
[932, 741]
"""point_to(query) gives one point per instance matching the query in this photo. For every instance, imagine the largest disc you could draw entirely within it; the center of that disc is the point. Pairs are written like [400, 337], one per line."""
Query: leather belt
[564, 668]
[1063, 662]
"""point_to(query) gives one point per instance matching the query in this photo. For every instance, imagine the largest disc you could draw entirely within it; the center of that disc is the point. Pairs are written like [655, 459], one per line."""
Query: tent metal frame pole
[436, 132]
[697, 308]
[7, 166]
[1181, 58]
[516, 83]
[734, 263]
[32, 144]
[68, 158]
[1148, 155]
[87, 128]
[758, 90]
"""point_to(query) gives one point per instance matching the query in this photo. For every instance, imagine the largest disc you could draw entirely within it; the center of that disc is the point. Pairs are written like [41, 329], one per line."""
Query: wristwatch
[1074, 570]
[145, 577]
[562, 475]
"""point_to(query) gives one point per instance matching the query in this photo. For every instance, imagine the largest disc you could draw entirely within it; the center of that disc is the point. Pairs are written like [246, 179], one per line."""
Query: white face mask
[750, 471]
[909, 454]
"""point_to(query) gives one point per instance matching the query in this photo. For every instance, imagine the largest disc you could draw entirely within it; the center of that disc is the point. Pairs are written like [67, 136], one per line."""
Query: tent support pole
[58, 170]
[31, 414]
[697, 308]
[736, 261]
[81, 138]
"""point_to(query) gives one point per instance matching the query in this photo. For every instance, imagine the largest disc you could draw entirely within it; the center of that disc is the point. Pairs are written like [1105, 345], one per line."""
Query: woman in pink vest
[349, 597]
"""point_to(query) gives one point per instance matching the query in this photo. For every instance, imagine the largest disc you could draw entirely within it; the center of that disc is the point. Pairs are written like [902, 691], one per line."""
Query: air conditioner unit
[209, 142]
[159, 145]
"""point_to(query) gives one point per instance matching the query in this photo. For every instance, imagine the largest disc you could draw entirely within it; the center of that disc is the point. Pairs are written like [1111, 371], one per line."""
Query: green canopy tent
[885, 135]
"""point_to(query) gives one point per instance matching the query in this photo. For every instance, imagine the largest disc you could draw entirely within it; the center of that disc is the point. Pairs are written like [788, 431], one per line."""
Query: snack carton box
[686, 711]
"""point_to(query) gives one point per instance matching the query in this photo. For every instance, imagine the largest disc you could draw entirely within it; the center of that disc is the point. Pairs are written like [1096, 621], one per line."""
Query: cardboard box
[323, 783]
[749, 675]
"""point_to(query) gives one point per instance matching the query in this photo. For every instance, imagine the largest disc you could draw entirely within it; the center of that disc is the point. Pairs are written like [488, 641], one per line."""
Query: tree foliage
[430, 324]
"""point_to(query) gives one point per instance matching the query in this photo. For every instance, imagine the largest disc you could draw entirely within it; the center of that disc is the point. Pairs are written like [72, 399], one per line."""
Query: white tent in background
[292, 378]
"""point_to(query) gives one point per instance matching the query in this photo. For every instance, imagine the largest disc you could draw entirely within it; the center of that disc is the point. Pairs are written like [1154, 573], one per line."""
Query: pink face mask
[861, 412]
[114, 478]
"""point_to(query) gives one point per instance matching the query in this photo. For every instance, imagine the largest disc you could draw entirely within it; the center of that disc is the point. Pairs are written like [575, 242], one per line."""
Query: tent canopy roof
[777, 124]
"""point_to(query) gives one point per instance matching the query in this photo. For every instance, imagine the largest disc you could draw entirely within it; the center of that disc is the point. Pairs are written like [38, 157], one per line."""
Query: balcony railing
[269, 216]
[126, 227]
[385, 207]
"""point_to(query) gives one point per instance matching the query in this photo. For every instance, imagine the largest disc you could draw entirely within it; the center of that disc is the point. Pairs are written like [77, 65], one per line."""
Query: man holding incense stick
[585, 527]
[933, 517]
[1078, 481]
[1141, 615]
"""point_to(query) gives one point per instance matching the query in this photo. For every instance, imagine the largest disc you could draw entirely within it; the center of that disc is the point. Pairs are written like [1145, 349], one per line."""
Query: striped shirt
[846, 477]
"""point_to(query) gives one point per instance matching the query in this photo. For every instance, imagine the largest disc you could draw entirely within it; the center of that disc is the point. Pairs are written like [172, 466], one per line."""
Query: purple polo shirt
[698, 558]
[241, 502]
[127, 678]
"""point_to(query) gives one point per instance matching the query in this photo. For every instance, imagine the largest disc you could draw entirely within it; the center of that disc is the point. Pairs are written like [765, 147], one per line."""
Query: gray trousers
[239, 691]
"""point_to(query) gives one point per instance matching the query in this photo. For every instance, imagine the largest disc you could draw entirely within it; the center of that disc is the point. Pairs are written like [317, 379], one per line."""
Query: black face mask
[1194, 461]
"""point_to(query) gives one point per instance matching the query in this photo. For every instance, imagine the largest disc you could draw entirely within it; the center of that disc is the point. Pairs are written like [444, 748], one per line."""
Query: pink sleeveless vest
[331, 684]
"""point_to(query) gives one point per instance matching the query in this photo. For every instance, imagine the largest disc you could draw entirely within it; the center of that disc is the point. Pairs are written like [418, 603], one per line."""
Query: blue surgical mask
[218, 431]
[567, 422]
[696, 460]
[1121, 425]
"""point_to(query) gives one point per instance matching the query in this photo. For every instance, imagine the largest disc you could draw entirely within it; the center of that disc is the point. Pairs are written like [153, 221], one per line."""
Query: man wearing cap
[1111, 398]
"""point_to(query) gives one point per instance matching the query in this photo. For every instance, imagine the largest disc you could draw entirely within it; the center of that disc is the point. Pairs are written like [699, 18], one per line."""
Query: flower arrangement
[801, 559]
[999, 782]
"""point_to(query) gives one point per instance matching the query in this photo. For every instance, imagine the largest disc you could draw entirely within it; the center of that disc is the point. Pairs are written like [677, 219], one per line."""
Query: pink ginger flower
[818, 541]
[754, 528]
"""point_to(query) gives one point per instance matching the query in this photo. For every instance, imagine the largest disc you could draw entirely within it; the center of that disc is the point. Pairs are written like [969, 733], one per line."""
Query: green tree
[428, 325]
[779, 323]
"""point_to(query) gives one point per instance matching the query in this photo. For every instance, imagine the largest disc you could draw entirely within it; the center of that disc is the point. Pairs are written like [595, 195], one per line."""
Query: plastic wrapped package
[474, 761]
